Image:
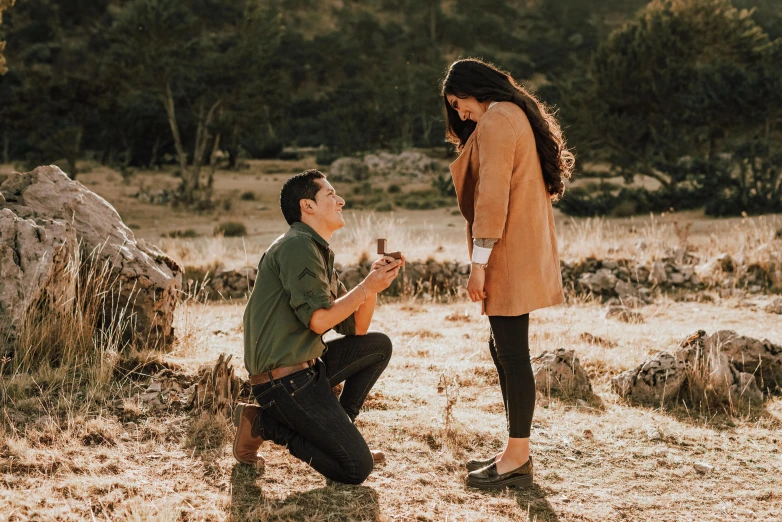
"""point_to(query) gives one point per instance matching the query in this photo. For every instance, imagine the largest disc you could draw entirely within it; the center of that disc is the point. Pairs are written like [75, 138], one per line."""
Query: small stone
[624, 314]
[702, 467]
[589, 435]
[154, 387]
[131, 426]
[147, 397]
[653, 433]
[676, 278]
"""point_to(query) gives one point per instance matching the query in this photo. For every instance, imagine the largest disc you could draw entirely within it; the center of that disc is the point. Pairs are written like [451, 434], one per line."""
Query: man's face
[328, 206]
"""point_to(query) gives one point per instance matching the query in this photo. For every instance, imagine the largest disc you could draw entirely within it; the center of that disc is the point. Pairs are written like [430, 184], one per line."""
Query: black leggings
[509, 346]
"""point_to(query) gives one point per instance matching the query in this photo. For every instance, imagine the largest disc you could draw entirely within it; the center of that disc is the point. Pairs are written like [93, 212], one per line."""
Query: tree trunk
[213, 155]
[168, 102]
[154, 152]
[202, 140]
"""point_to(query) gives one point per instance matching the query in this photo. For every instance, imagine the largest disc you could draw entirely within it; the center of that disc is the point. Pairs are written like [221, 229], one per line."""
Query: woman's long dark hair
[485, 82]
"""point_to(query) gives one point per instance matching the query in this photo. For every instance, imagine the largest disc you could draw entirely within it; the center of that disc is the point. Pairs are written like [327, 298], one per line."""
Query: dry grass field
[79, 445]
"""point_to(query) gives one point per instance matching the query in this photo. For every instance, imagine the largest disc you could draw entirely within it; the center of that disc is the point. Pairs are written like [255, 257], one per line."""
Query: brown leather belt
[279, 373]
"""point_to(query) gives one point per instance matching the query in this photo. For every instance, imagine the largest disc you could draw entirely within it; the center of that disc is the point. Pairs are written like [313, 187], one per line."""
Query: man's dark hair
[301, 186]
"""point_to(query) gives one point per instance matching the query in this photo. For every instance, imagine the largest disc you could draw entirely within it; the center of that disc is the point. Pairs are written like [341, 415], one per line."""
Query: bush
[288, 155]
[325, 158]
[385, 206]
[444, 186]
[231, 229]
[394, 189]
[607, 199]
[247, 196]
[423, 200]
[183, 233]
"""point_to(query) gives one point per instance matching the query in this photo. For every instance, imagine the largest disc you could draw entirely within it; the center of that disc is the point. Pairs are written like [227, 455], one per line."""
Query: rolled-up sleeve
[304, 278]
[496, 142]
[348, 326]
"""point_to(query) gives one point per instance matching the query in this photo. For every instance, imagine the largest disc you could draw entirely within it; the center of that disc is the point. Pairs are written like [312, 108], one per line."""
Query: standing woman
[512, 163]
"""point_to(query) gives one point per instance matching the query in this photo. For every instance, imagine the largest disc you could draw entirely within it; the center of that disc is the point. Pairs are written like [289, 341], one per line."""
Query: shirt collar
[298, 225]
[492, 104]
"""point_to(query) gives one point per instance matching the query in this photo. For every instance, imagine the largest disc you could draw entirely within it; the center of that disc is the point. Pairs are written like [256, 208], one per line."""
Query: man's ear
[307, 206]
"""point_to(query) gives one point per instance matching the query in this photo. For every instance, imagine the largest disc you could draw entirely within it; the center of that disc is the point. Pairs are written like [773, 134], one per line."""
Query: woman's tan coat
[501, 193]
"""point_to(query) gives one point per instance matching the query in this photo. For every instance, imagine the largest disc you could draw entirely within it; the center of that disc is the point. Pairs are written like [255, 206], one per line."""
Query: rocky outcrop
[407, 165]
[147, 280]
[725, 366]
[560, 372]
[38, 262]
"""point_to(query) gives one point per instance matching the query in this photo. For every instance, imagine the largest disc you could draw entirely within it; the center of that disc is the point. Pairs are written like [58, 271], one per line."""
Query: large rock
[561, 372]
[753, 356]
[149, 280]
[723, 366]
[774, 307]
[348, 169]
[38, 262]
[655, 381]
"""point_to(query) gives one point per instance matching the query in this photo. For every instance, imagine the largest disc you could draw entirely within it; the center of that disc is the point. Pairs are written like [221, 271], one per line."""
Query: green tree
[53, 87]
[673, 84]
[196, 55]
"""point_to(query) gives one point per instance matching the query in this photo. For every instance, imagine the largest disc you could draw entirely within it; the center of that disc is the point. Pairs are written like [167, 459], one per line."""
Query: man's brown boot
[247, 443]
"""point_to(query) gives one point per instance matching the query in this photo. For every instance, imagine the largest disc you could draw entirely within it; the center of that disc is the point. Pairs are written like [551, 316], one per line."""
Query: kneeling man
[297, 298]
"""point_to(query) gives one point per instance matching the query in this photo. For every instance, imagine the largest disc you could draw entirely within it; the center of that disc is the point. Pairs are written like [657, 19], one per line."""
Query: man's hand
[475, 286]
[383, 273]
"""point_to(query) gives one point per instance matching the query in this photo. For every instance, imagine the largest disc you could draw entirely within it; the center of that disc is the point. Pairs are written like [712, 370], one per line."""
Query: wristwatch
[479, 265]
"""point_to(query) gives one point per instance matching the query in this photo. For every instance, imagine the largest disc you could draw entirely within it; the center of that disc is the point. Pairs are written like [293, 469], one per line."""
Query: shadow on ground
[246, 496]
[533, 501]
[335, 502]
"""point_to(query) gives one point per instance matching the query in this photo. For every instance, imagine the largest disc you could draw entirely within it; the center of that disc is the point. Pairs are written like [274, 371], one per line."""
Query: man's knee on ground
[362, 470]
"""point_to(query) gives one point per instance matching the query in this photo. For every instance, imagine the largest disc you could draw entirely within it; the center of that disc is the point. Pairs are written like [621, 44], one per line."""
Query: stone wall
[627, 280]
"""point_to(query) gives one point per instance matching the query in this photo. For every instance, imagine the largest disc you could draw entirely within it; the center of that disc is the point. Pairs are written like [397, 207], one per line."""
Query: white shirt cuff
[480, 254]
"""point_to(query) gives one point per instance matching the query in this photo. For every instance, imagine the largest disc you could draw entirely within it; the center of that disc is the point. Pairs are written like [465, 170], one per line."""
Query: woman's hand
[475, 286]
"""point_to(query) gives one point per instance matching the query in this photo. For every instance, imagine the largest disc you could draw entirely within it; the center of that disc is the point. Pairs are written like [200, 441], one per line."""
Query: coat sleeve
[496, 142]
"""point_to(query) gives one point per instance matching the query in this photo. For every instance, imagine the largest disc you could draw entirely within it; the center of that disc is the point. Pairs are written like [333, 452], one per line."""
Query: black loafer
[488, 478]
[476, 464]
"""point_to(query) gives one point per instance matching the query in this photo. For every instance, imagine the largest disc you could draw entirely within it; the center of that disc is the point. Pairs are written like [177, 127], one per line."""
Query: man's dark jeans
[300, 411]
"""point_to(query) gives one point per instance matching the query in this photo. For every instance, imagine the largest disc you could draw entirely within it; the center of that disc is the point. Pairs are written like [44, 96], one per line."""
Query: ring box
[382, 245]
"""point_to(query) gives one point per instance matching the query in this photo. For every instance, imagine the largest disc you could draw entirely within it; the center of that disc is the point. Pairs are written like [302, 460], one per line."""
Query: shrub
[444, 186]
[325, 158]
[183, 233]
[385, 206]
[288, 155]
[247, 196]
[394, 189]
[231, 229]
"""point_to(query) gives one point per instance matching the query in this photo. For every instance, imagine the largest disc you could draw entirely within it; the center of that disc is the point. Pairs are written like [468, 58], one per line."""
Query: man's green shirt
[295, 278]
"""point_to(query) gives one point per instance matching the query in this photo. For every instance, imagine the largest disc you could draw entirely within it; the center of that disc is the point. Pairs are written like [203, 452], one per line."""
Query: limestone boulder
[774, 307]
[560, 372]
[148, 281]
[624, 314]
[761, 358]
[38, 262]
[348, 169]
[655, 381]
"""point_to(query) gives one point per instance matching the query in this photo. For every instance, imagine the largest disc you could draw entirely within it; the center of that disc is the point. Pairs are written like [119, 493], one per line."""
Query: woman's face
[468, 108]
